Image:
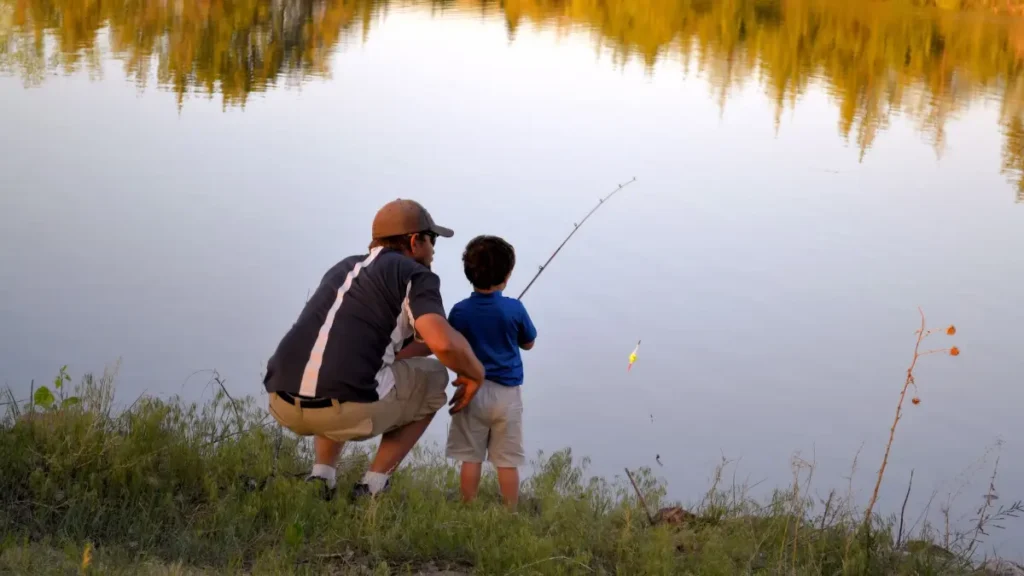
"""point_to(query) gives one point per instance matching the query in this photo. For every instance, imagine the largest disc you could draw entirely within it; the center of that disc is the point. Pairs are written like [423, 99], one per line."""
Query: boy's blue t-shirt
[495, 326]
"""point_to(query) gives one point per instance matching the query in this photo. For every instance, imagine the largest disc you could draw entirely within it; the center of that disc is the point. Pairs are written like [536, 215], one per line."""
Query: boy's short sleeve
[425, 293]
[527, 331]
[455, 317]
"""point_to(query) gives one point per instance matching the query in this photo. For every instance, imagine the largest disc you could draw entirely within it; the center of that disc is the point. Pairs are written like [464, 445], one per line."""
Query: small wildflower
[954, 351]
[951, 330]
[86, 556]
[915, 400]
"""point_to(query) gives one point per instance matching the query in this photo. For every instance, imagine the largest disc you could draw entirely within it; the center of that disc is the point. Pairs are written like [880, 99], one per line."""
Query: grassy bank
[165, 487]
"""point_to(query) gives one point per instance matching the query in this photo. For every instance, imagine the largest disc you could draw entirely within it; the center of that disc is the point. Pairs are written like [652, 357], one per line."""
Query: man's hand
[465, 390]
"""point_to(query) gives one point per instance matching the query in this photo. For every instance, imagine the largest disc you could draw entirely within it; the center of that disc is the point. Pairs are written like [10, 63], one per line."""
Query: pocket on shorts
[273, 411]
[404, 385]
[513, 402]
[287, 415]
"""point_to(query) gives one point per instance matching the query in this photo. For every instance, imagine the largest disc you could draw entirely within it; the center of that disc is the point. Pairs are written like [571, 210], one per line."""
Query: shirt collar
[494, 294]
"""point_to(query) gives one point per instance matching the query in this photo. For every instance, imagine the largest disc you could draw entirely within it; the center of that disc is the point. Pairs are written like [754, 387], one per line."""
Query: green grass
[165, 487]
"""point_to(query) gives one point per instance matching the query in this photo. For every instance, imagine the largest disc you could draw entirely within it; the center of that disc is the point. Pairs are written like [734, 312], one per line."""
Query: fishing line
[543, 267]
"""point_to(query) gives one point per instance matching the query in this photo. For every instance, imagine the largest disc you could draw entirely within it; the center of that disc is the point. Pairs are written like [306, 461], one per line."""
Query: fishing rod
[576, 227]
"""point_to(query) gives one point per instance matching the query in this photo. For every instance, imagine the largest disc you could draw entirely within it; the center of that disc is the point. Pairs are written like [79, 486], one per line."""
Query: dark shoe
[361, 490]
[327, 492]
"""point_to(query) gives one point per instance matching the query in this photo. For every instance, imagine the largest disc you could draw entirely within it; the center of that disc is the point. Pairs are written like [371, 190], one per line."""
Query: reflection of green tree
[922, 58]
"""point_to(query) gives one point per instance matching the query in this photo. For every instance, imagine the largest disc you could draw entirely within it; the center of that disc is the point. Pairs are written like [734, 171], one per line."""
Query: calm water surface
[175, 176]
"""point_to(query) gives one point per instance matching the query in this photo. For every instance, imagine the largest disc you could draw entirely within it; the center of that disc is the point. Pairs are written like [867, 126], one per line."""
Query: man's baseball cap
[401, 216]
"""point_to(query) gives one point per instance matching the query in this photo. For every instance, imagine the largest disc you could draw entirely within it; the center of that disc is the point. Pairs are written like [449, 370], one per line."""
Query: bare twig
[945, 514]
[903, 510]
[234, 407]
[824, 515]
[643, 502]
[709, 495]
[798, 464]
[925, 512]
[990, 496]
[263, 422]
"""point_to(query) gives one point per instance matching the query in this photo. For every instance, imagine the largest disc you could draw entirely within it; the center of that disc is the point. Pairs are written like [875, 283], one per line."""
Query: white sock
[375, 480]
[326, 472]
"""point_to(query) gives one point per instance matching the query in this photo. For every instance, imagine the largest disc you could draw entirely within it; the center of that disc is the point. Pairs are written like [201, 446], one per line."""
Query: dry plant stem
[903, 510]
[945, 515]
[708, 496]
[828, 505]
[899, 414]
[640, 496]
[234, 407]
[849, 498]
[984, 509]
[797, 464]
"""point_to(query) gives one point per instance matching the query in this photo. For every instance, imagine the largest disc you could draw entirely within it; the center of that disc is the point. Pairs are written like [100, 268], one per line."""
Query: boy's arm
[527, 331]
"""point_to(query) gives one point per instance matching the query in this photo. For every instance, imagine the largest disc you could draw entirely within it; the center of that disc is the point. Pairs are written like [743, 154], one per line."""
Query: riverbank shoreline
[168, 487]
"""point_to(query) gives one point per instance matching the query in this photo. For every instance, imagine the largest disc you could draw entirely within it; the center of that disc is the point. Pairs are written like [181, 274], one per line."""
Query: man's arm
[413, 350]
[450, 347]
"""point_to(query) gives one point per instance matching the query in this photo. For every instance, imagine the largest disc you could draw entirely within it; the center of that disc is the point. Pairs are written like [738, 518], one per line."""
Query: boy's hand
[466, 389]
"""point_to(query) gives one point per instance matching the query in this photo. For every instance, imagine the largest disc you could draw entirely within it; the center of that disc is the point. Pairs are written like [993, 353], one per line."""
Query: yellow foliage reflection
[927, 59]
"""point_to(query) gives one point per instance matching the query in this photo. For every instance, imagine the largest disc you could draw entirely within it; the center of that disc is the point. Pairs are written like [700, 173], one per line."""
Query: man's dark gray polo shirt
[345, 340]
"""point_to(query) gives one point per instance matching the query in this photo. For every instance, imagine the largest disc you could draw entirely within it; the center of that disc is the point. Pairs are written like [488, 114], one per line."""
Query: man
[353, 365]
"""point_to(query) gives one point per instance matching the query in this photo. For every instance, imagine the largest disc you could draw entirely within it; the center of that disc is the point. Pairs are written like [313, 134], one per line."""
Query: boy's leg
[469, 480]
[467, 440]
[505, 448]
[508, 482]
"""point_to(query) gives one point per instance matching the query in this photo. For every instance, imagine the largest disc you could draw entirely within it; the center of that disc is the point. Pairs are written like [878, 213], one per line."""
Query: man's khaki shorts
[419, 392]
[491, 425]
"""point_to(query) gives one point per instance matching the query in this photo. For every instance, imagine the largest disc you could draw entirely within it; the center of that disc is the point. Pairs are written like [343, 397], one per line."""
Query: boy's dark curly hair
[487, 261]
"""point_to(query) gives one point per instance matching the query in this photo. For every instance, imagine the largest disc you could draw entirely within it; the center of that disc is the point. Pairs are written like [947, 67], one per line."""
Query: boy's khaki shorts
[491, 426]
[419, 392]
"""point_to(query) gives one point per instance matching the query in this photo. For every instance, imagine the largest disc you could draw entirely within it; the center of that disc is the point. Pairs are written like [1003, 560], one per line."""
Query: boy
[496, 328]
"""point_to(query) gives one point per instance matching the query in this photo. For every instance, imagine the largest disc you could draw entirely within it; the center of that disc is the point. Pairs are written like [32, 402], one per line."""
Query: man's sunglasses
[430, 236]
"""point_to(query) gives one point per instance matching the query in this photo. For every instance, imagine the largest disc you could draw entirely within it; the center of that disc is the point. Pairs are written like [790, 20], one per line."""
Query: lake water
[176, 176]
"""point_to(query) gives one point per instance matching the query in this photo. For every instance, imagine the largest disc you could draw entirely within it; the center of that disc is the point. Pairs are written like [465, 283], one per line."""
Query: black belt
[306, 402]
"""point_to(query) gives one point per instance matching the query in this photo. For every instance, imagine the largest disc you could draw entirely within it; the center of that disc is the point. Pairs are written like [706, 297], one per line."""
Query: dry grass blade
[551, 559]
